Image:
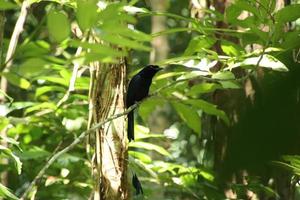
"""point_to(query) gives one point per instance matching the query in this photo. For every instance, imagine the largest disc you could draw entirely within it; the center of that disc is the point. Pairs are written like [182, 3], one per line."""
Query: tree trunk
[107, 91]
[160, 44]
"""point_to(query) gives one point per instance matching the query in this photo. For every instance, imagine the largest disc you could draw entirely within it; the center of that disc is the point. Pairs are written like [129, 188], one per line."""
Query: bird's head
[150, 70]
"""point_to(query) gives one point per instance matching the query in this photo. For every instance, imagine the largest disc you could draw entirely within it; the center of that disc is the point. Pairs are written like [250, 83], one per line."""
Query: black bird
[137, 90]
[137, 185]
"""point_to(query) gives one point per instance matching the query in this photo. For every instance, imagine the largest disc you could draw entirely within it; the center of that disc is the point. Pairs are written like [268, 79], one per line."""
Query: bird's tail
[130, 127]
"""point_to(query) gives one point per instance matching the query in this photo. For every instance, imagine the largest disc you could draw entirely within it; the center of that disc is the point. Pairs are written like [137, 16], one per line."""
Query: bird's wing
[133, 88]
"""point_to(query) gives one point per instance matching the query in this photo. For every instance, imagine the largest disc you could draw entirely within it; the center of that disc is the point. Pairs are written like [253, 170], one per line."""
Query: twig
[72, 145]
[73, 78]
[16, 34]
[13, 42]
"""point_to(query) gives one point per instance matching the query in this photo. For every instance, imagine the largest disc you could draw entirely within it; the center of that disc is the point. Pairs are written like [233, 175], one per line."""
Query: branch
[13, 42]
[73, 77]
[72, 145]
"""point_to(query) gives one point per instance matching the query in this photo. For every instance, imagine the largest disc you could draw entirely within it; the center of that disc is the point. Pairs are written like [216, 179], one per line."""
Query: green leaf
[32, 67]
[288, 13]
[40, 106]
[98, 48]
[223, 75]
[208, 108]
[203, 88]
[266, 61]
[42, 90]
[58, 25]
[10, 154]
[6, 193]
[291, 40]
[143, 132]
[124, 42]
[230, 48]
[114, 14]
[57, 80]
[86, 13]
[6, 5]
[189, 116]
[198, 43]
[150, 146]
[10, 140]
[17, 81]
[34, 153]
[126, 32]
[141, 156]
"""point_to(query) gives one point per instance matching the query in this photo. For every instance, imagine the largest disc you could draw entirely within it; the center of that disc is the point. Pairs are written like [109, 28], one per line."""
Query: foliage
[43, 113]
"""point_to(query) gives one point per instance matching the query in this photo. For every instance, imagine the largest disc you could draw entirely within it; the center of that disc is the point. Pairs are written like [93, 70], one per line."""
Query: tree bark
[106, 99]
[160, 44]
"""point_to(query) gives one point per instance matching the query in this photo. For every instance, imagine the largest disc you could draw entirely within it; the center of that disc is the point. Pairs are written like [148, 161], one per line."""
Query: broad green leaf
[288, 13]
[230, 48]
[208, 108]
[98, 48]
[86, 13]
[125, 31]
[40, 106]
[33, 66]
[224, 75]
[10, 154]
[266, 61]
[57, 80]
[58, 25]
[82, 83]
[114, 14]
[291, 40]
[203, 88]
[143, 132]
[33, 49]
[198, 43]
[168, 75]
[6, 193]
[34, 153]
[141, 156]
[189, 116]
[150, 146]
[230, 84]
[124, 42]
[138, 164]
[6, 5]
[42, 90]
[16, 80]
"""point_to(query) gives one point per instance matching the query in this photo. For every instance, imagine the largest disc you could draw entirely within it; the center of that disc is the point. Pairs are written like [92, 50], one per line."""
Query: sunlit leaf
[6, 193]
[266, 61]
[203, 88]
[141, 156]
[86, 13]
[150, 146]
[17, 80]
[45, 89]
